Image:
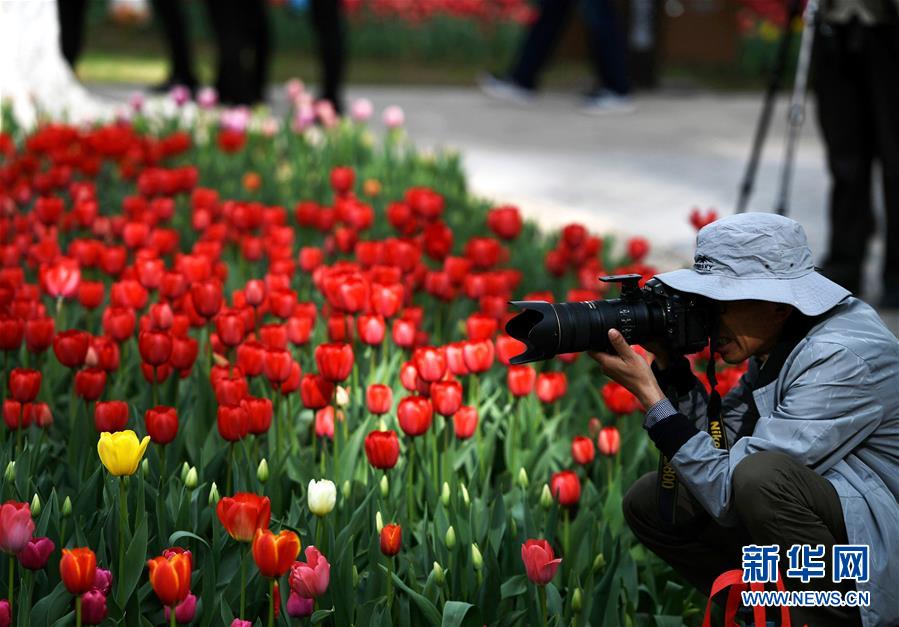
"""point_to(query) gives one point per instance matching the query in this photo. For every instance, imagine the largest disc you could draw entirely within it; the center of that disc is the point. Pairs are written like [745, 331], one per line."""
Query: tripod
[795, 113]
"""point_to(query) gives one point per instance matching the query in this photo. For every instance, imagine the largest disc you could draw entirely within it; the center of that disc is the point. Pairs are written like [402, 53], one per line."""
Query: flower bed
[256, 368]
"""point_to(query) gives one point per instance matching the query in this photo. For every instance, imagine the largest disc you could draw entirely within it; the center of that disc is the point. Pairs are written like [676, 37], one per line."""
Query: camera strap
[667, 479]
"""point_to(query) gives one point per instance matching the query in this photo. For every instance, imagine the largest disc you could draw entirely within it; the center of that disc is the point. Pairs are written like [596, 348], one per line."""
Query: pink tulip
[299, 607]
[394, 117]
[103, 581]
[16, 526]
[93, 607]
[361, 110]
[36, 552]
[184, 611]
[310, 579]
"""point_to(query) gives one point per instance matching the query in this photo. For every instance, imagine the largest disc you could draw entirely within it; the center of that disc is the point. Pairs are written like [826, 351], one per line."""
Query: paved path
[637, 174]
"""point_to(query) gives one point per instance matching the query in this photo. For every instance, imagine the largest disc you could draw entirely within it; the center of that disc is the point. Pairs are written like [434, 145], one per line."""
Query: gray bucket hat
[756, 256]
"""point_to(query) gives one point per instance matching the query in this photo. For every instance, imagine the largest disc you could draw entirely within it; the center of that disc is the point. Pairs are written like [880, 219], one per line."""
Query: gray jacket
[835, 407]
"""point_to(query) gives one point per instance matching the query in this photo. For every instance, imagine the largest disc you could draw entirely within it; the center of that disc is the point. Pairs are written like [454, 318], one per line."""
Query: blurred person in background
[327, 19]
[856, 81]
[244, 50]
[181, 64]
[608, 54]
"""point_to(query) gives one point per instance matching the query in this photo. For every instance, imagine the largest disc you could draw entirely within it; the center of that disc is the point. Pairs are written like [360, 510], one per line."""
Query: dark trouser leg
[171, 18]
[882, 68]
[695, 546]
[260, 37]
[540, 41]
[607, 45]
[782, 502]
[328, 24]
[71, 28]
[844, 116]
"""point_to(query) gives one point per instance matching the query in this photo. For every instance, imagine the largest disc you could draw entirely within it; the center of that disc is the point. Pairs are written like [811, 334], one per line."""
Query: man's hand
[630, 370]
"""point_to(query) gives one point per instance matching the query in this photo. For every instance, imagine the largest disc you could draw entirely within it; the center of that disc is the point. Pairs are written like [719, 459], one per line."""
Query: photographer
[813, 425]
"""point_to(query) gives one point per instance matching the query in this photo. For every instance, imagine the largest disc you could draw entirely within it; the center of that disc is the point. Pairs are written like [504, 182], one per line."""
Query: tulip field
[255, 373]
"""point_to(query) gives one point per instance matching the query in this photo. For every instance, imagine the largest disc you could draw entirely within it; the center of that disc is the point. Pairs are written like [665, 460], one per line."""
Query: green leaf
[135, 560]
[513, 587]
[427, 608]
[320, 615]
[177, 535]
[51, 607]
[459, 614]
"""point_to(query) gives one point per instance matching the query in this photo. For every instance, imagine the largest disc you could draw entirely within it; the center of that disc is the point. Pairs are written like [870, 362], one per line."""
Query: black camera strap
[667, 479]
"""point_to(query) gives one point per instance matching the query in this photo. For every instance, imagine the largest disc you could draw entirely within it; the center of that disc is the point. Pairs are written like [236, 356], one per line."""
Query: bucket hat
[756, 256]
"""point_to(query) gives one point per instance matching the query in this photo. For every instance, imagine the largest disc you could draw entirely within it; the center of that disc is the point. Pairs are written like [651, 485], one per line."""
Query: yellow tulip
[121, 451]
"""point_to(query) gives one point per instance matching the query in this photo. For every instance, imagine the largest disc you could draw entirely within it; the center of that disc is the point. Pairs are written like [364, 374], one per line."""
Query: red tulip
[637, 248]
[90, 294]
[38, 334]
[274, 336]
[521, 379]
[155, 347]
[206, 297]
[233, 423]
[71, 347]
[11, 332]
[465, 422]
[608, 441]
[162, 424]
[391, 539]
[316, 391]
[582, 450]
[478, 355]
[104, 354]
[24, 384]
[619, 399]
[324, 422]
[78, 569]
[415, 414]
[16, 526]
[293, 381]
[430, 363]
[230, 388]
[334, 360]
[403, 333]
[566, 487]
[61, 279]
[299, 329]
[89, 383]
[480, 326]
[551, 386]
[382, 449]
[244, 513]
[259, 412]
[378, 398]
[229, 327]
[110, 416]
[508, 347]
[540, 562]
[276, 364]
[274, 554]
[119, 323]
[184, 353]
[250, 356]
[505, 222]
[371, 329]
[170, 576]
[37, 413]
[14, 414]
[342, 179]
[455, 359]
[446, 396]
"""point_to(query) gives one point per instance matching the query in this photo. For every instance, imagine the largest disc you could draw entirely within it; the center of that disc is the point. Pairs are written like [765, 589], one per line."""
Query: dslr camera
[653, 313]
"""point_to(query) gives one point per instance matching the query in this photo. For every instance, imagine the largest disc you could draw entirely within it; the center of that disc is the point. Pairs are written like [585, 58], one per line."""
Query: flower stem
[243, 583]
[172, 620]
[271, 603]
[410, 480]
[78, 611]
[389, 582]
[12, 576]
[543, 605]
[123, 525]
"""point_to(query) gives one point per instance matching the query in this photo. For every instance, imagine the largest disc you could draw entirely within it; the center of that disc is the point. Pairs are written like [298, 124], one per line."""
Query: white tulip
[322, 496]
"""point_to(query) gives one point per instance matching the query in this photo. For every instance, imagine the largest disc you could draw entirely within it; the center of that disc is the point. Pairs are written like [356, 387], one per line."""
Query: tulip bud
[385, 486]
[546, 497]
[439, 575]
[382, 426]
[67, 507]
[346, 489]
[477, 560]
[514, 528]
[355, 576]
[445, 494]
[342, 397]
[577, 602]
[465, 498]
[523, 478]
[36, 506]
[192, 479]
[450, 539]
[10, 474]
[145, 468]
[599, 563]
[214, 497]
[185, 468]
[262, 471]
[379, 522]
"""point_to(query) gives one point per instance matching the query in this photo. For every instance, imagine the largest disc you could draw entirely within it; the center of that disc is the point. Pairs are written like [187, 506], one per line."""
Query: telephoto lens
[652, 313]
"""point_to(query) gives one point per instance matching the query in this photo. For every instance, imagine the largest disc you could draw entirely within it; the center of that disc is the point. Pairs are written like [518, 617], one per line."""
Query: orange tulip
[170, 575]
[78, 567]
[274, 554]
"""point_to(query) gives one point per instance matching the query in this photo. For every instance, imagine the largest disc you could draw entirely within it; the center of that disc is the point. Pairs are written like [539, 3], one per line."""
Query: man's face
[749, 327]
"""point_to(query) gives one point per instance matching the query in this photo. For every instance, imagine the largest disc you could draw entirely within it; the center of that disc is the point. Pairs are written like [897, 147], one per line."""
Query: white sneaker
[505, 90]
[608, 102]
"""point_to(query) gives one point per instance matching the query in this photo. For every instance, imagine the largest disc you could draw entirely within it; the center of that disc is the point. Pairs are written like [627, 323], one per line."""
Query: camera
[655, 312]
